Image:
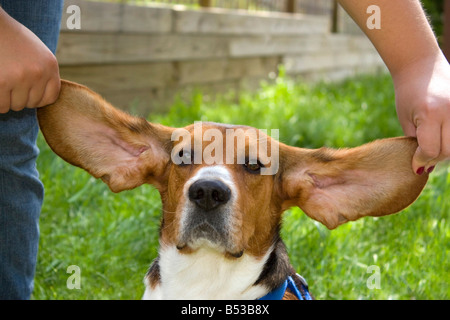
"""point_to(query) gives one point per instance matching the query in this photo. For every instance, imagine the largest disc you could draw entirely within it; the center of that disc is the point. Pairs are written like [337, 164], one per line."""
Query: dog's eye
[253, 166]
[185, 156]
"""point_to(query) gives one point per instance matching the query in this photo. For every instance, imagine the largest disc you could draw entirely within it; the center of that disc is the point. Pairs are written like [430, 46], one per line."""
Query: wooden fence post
[335, 17]
[446, 35]
[204, 3]
[291, 6]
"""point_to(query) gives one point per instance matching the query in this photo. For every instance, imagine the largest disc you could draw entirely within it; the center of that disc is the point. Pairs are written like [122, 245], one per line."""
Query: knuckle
[17, 107]
[32, 103]
[51, 62]
[37, 71]
[55, 88]
[19, 75]
[428, 110]
[430, 153]
[435, 109]
[18, 101]
[3, 83]
[51, 94]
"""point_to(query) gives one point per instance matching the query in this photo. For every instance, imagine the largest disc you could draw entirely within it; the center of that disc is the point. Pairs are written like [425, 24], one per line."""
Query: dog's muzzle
[207, 216]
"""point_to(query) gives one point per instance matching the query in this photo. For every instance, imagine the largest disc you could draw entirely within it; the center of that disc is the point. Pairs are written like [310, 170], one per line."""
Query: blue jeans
[21, 192]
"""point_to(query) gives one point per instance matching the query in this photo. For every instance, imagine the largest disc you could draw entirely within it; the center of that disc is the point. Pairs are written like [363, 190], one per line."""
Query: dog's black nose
[209, 194]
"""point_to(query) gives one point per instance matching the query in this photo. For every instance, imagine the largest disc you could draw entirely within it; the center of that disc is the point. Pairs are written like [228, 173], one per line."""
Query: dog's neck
[208, 274]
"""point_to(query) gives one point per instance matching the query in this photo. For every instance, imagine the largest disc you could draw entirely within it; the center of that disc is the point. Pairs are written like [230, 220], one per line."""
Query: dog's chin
[206, 236]
[189, 249]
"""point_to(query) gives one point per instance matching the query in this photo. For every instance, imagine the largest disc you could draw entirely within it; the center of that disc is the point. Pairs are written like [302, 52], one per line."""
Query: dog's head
[223, 186]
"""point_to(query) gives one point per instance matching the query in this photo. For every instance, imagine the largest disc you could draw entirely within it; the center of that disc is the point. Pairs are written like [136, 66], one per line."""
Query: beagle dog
[223, 194]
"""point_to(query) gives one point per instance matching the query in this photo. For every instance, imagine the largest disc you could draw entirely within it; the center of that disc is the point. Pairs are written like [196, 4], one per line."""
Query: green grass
[114, 237]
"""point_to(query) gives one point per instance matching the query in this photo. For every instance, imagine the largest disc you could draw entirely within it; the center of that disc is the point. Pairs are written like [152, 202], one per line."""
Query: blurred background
[141, 54]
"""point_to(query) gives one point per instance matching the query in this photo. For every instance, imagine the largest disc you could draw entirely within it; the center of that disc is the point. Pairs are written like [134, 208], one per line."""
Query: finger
[445, 147]
[19, 98]
[409, 129]
[51, 93]
[429, 139]
[443, 152]
[5, 101]
[36, 94]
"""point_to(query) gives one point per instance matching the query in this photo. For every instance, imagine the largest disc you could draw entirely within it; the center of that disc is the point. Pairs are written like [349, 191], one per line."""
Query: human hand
[29, 74]
[423, 107]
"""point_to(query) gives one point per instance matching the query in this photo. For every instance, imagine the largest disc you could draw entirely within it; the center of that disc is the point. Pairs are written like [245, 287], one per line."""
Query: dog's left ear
[337, 186]
[86, 131]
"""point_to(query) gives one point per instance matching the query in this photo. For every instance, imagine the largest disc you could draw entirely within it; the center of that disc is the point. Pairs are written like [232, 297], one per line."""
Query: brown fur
[330, 186]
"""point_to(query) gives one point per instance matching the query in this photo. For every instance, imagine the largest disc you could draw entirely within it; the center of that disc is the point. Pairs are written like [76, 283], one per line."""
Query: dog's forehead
[253, 134]
[215, 125]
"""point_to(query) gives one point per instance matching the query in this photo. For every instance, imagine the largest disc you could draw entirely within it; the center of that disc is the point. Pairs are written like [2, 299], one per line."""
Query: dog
[220, 227]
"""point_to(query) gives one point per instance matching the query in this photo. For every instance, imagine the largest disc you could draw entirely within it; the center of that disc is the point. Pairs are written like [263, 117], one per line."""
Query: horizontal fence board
[98, 48]
[122, 77]
[195, 72]
[117, 17]
[338, 73]
[267, 46]
[330, 60]
[223, 22]
[309, 44]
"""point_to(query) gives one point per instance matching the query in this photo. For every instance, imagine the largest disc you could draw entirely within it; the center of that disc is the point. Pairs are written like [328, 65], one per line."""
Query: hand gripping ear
[86, 131]
[336, 186]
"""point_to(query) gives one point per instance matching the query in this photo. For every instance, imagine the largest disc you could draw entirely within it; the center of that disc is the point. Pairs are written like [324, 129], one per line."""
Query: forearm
[405, 35]
[420, 72]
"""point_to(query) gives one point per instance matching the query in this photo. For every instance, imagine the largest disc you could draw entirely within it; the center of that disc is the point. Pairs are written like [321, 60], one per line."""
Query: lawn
[113, 238]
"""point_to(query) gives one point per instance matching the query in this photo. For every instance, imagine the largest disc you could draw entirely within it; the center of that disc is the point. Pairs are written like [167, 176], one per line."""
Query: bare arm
[420, 72]
[29, 73]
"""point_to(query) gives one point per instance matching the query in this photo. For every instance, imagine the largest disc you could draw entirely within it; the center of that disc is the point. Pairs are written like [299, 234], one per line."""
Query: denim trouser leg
[21, 192]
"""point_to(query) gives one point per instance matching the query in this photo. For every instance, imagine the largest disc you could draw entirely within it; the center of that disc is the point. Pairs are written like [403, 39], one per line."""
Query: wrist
[421, 66]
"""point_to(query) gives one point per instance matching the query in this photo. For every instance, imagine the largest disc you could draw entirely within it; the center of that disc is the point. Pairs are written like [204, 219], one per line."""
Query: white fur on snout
[222, 174]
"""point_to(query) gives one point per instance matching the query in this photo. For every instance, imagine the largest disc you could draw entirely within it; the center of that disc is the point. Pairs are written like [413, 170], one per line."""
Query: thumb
[427, 153]
[409, 128]
[418, 159]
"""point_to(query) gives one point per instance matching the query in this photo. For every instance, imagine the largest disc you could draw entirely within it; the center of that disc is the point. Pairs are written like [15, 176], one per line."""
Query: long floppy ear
[337, 186]
[86, 131]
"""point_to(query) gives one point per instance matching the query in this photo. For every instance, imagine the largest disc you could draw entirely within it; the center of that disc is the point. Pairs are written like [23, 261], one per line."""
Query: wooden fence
[320, 7]
[142, 56]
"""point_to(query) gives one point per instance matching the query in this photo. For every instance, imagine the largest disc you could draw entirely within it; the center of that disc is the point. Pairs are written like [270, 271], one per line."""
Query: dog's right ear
[86, 131]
